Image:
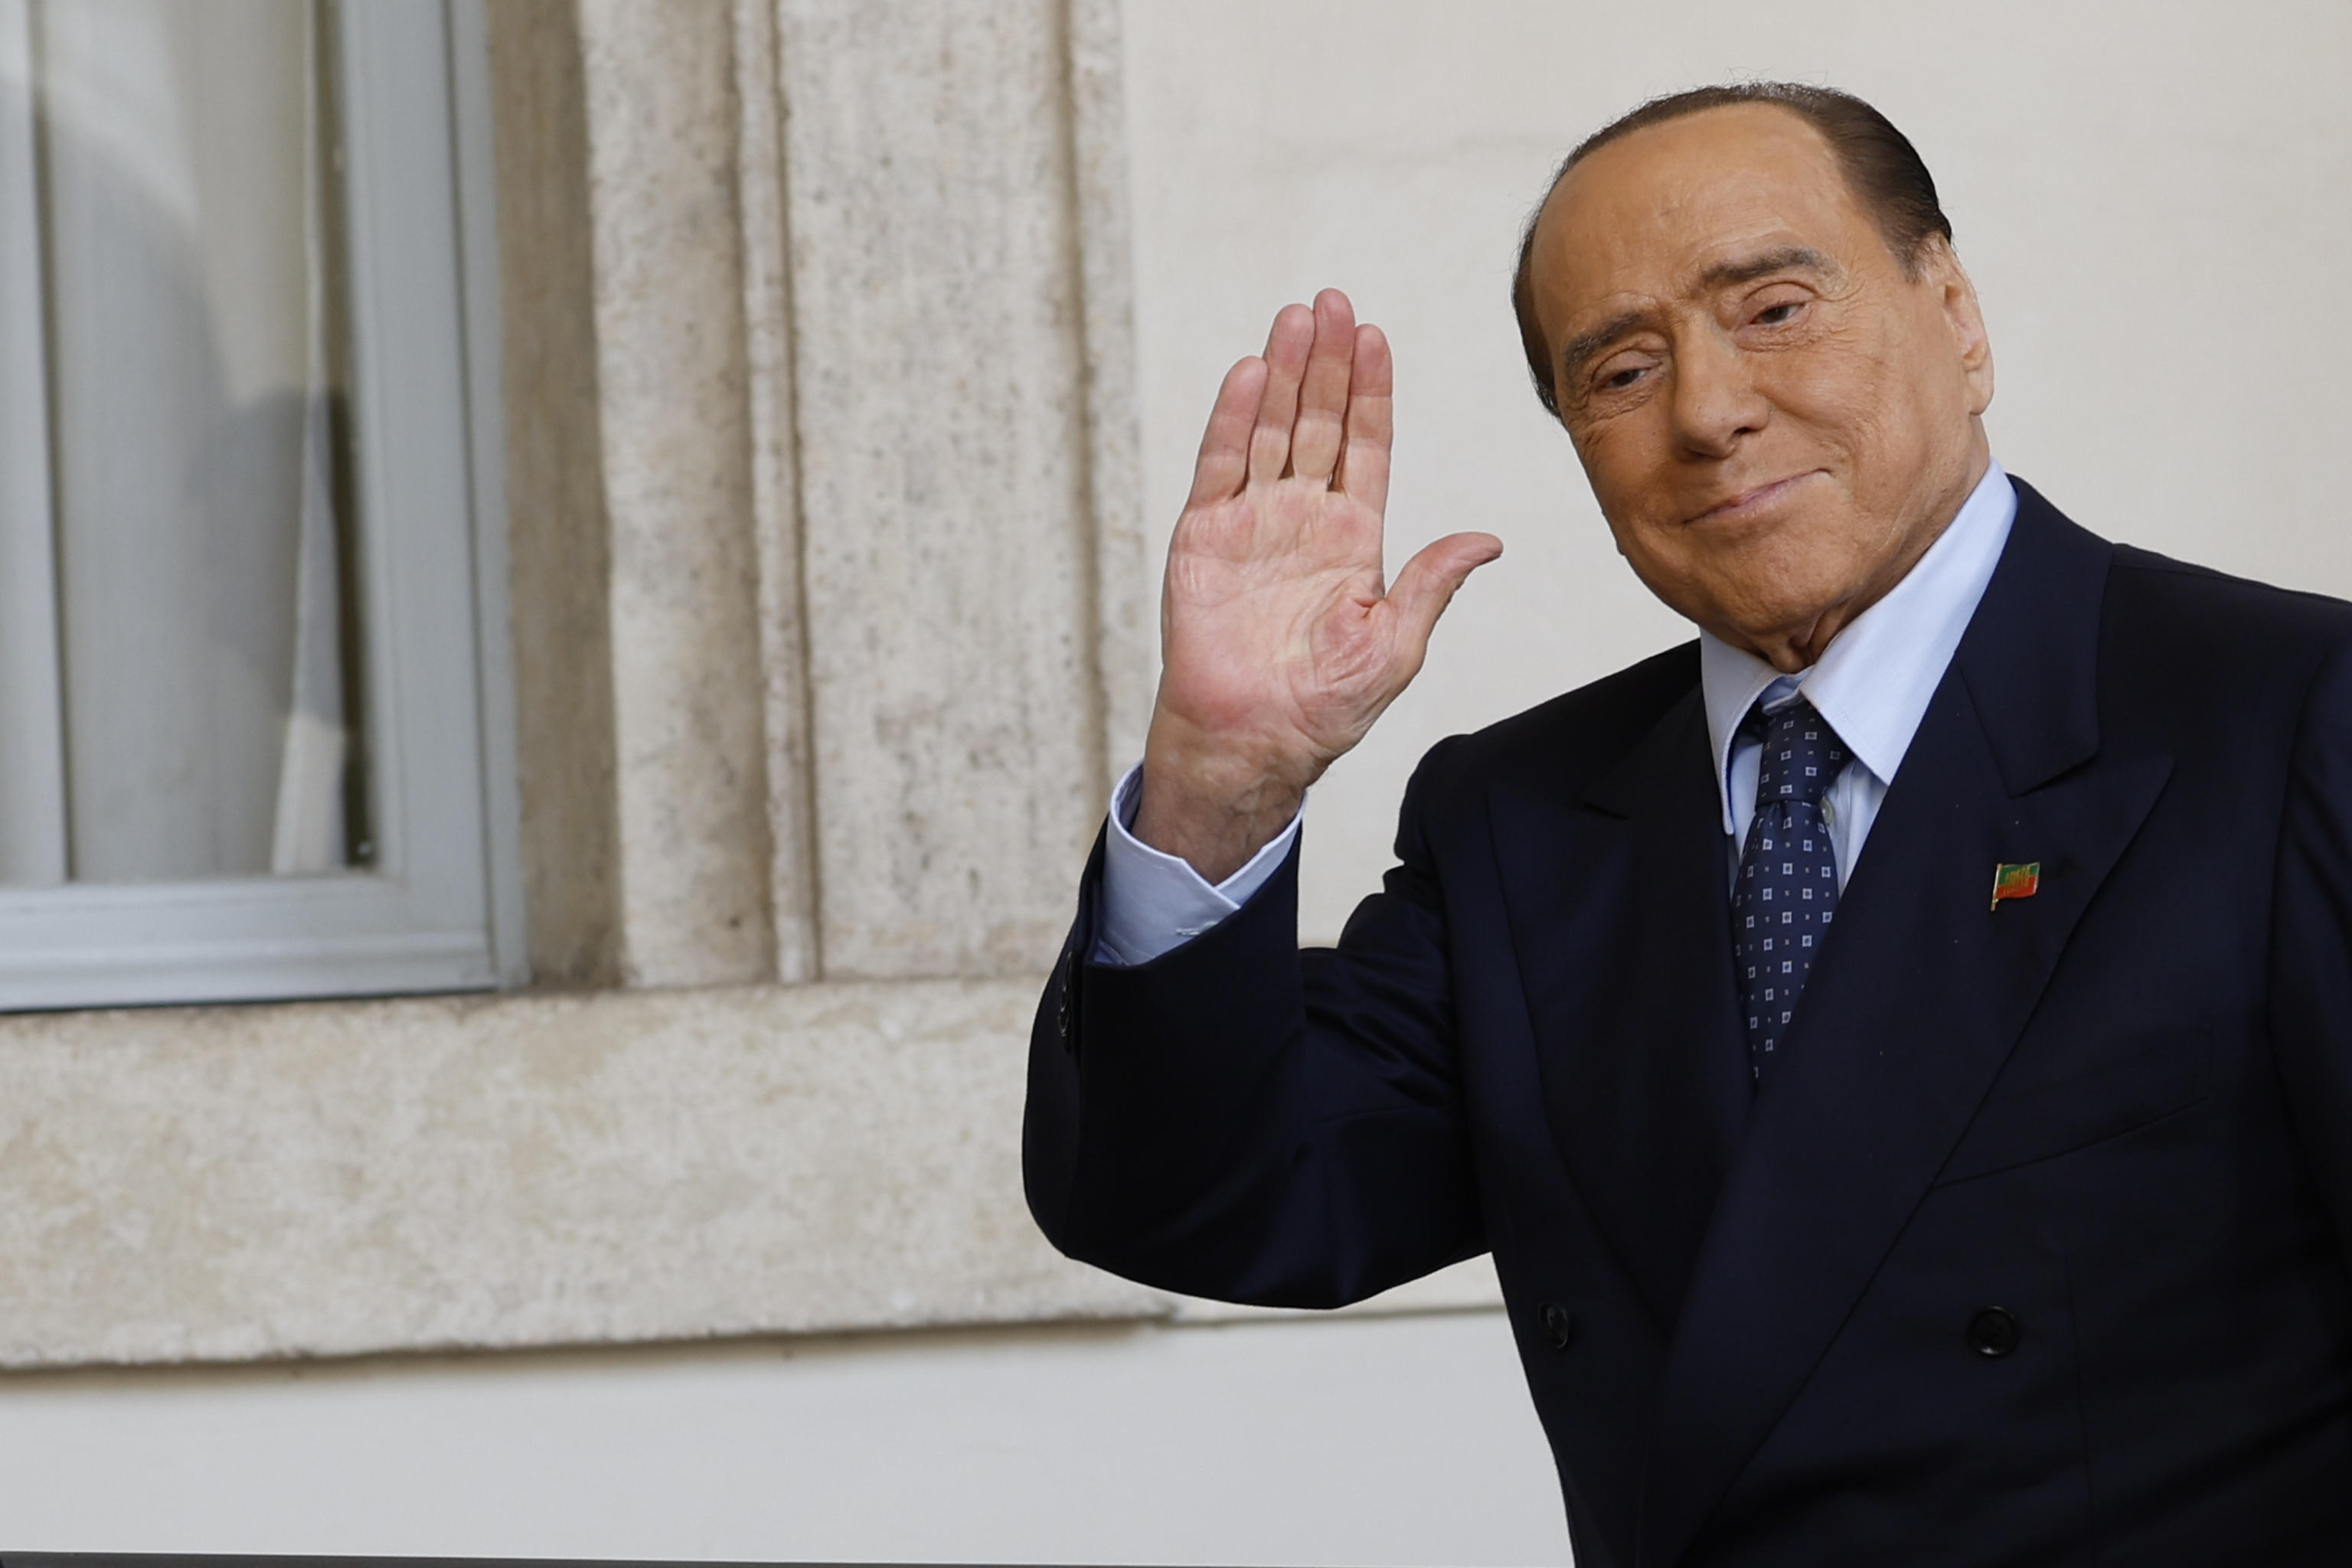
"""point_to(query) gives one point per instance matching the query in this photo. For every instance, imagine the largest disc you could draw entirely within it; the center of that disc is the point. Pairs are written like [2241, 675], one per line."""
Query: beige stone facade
[818, 392]
[825, 566]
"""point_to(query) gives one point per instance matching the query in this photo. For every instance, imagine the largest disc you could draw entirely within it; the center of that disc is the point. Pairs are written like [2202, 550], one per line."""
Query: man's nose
[1715, 400]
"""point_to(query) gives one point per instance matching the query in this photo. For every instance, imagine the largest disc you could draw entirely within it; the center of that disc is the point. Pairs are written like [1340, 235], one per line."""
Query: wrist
[1213, 808]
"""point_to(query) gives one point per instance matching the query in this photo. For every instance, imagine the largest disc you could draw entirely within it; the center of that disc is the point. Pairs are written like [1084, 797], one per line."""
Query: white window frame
[440, 909]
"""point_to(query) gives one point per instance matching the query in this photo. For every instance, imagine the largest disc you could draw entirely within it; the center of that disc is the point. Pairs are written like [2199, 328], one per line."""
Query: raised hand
[1280, 644]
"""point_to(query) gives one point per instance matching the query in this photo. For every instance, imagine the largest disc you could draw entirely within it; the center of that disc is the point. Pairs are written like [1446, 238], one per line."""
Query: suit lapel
[1619, 911]
[1910, 1013]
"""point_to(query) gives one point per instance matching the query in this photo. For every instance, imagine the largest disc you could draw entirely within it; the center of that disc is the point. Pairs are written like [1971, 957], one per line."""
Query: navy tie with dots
[1787, 886]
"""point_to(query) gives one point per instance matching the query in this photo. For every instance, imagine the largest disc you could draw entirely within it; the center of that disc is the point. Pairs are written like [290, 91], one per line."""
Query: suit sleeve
[1243, 1119]
[2311, 951]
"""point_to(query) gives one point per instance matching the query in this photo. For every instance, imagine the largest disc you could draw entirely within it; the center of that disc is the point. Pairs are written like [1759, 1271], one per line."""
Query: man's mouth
[1752, 503]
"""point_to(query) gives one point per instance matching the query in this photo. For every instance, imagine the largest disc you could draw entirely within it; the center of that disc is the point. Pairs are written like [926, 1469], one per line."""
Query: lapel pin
[2015, 882]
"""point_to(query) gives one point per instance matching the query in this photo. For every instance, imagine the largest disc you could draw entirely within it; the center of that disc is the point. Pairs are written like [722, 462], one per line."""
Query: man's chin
[1794, 628]
[1745, 595]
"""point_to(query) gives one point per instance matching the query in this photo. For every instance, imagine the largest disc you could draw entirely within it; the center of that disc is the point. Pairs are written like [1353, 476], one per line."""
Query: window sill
[346, 1178]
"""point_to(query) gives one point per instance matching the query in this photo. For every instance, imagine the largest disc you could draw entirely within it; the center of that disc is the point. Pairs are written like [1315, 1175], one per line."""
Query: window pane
[198, 473]
[32, 730]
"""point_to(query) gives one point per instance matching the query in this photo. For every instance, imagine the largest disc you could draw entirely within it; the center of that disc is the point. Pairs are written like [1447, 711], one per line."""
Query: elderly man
[1898, 1048]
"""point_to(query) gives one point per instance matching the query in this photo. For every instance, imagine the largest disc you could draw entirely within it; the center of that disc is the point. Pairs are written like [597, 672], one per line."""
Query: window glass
[199, 470]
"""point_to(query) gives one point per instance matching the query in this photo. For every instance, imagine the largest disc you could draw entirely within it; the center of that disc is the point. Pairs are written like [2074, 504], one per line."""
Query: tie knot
[1802, 756]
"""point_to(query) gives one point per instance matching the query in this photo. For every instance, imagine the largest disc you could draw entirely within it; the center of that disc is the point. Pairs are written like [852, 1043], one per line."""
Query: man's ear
[1939, 267]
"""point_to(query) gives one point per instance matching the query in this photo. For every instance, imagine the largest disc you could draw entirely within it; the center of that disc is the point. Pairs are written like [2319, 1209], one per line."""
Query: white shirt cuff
[1153, 902]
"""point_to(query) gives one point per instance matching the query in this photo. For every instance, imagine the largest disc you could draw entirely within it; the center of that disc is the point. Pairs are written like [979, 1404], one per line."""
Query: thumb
[1429, 581]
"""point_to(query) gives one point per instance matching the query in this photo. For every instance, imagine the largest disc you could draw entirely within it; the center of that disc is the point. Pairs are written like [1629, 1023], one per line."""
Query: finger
[1429, 580]
[1223, 463]
[1286, 362]
[1372, 420]
[1323, 393]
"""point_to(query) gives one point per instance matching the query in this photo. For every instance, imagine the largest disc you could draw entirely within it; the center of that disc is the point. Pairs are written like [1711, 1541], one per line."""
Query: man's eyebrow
[1786, 258]
[1584, 345]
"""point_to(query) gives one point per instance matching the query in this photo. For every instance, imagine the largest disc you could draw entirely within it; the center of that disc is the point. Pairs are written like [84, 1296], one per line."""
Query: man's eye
[1779, 314]
[1620, 380]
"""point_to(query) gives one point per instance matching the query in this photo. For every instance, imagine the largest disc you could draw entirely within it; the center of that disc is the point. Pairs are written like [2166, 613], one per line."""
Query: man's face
[1776, 420]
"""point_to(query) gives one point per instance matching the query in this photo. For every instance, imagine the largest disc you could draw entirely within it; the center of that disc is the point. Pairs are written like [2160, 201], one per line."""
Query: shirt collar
[1874, 681]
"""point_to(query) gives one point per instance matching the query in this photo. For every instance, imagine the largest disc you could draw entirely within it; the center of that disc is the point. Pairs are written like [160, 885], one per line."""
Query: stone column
[834, 539]
[691, 772]
[938, 339]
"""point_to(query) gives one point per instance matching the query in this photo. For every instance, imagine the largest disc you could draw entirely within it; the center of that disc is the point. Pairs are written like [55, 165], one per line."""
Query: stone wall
[828, 622]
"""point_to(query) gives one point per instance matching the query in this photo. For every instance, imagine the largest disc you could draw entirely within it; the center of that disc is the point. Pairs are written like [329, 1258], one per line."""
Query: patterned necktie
[1787, 886]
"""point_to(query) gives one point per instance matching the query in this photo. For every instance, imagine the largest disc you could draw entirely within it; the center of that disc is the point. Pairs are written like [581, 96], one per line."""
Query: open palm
[1281, 641]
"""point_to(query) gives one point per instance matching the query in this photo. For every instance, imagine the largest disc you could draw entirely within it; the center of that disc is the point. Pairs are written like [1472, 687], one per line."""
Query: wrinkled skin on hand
[1281, 640]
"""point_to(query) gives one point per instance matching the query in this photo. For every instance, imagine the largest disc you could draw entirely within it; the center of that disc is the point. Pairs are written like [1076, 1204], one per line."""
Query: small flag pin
[2015, 882]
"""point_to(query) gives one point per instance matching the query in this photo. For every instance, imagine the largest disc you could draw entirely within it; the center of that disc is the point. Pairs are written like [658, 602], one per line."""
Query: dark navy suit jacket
[1756, 1327]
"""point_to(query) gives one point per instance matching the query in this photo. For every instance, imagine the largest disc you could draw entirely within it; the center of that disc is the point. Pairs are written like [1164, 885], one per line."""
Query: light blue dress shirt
[1872, 683]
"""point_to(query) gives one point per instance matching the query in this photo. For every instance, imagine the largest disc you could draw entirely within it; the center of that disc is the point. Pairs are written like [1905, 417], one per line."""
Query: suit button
[1993, 1332]
[1558, 1324]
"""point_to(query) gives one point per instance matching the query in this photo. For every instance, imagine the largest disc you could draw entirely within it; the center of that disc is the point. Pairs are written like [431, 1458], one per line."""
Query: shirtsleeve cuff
[1153, 902]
